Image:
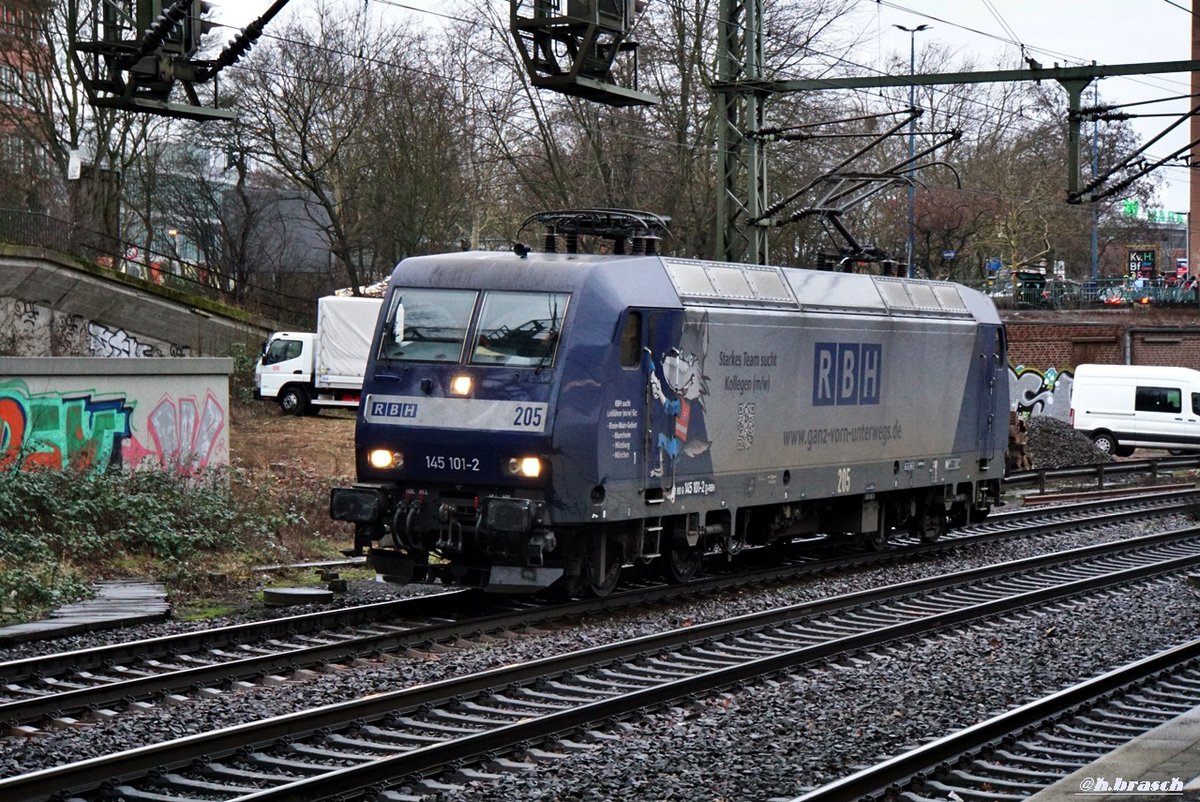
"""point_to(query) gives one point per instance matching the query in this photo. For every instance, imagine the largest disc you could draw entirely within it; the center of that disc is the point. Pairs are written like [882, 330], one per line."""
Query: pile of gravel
[1054, 443]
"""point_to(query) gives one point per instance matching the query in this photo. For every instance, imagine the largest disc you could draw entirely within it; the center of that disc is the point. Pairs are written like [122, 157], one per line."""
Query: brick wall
[1062, 340]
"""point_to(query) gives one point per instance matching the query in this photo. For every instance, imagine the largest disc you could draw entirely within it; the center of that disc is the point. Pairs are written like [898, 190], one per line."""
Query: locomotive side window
[631, 340]
[427, 325]
[519, 329]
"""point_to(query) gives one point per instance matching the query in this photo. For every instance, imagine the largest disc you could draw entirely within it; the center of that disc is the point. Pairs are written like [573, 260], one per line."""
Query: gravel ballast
[772, 738]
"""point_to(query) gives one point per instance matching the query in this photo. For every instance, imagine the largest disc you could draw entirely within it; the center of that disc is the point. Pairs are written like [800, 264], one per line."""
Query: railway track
[345, 749]
[59, 688]
[1030, 748]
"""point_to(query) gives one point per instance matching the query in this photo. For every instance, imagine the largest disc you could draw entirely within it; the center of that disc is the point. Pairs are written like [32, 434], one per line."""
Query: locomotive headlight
[528, 467]
[461, 384]
[385, 458]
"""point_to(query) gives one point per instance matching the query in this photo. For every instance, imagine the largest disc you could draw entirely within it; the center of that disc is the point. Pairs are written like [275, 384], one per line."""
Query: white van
[1123, 407]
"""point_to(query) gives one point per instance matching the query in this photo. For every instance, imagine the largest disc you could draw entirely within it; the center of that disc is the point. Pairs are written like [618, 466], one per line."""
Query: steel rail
[892, 774]
[133, 763]
[287, 659]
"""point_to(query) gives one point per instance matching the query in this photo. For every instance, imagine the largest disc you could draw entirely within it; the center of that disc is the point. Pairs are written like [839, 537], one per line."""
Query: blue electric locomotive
[536, 419]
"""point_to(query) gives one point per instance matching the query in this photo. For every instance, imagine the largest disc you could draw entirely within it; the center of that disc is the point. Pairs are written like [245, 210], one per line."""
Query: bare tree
[308, 99]
[48, 119]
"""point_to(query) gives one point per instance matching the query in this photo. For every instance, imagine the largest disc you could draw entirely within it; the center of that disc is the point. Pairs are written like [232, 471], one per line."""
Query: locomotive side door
[995, 386]
[676, 448]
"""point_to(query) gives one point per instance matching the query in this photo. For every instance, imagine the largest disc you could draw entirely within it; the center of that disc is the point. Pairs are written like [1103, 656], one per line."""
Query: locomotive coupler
[450, 530]
[538, 544]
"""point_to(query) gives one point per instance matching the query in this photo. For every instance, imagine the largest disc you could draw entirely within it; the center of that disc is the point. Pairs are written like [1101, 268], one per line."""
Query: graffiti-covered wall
[1040, 392]
[79, 412]
[54, 306]
[32, 328]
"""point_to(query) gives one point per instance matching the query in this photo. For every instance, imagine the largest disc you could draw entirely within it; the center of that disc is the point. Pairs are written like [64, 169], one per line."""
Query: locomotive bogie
[568, 417]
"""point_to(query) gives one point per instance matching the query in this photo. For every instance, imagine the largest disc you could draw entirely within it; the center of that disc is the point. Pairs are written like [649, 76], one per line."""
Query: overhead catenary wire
[530, 129]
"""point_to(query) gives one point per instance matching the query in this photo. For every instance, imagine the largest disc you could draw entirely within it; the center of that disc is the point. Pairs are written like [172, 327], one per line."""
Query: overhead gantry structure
[582, 48]
[135, 55]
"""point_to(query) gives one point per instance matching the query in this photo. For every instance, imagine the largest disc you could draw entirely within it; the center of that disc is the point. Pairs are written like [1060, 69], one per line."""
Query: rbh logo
[847, 373]
[393, 409]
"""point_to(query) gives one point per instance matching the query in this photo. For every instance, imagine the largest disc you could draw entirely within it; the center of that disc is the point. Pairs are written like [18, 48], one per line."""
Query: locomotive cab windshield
[515, 329]
[427, 325]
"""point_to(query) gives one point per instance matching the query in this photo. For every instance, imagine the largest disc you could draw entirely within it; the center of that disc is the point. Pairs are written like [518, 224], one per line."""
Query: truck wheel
[293, 401]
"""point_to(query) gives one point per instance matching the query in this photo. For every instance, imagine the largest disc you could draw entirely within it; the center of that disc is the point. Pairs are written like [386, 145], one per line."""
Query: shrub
[60, 530]
[241, 380]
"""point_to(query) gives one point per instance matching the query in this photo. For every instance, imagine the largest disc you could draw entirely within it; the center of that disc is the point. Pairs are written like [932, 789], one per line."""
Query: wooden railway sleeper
[469, 718]
[699, 661]
[396, 735]
[234, 773]
[737, 647]
[438, 727]
[1155, 700]
[286, 764]
[608, 685]
[1079, 752]
[179, 781]
[126, 792]
[1128, 713]
[514, 709]
[1102, 727]
[782, 638]
[645, 674]
[967, 795]
[324, 754]
[530, 703]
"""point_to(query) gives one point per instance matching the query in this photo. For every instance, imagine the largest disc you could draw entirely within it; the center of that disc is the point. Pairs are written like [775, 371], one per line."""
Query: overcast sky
[1068, 32]
[993, 31]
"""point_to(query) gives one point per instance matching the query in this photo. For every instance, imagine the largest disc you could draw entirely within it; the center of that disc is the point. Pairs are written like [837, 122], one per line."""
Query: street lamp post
[912, 139]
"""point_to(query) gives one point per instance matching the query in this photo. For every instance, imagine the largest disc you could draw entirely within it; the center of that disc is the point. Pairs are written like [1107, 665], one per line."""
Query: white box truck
[305, 371]
[1123, 407]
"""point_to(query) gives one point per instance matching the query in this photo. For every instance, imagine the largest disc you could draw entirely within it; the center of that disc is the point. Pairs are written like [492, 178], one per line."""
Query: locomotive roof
[669, 282]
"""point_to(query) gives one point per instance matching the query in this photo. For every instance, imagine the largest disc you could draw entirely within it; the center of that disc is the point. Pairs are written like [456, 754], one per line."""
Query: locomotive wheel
[608, 583]
[680, 564]
[878, 540]
[931, 523]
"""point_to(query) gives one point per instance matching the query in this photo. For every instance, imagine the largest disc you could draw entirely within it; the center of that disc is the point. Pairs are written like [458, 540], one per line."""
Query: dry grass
[293, 462]
[263, 438]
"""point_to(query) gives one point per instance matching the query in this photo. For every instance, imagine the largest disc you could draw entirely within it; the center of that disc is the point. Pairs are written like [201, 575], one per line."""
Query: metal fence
[1102, 293]
[37, 230]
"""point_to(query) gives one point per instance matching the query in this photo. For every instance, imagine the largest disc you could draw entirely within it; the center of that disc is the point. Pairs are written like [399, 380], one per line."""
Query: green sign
[1133, 208]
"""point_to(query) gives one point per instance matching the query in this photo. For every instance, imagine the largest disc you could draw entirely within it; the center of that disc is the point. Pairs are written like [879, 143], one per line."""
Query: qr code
[745, 426]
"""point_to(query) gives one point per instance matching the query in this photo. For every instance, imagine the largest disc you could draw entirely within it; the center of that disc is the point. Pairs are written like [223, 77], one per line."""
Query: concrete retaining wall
[51, 305]
[61, 412]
